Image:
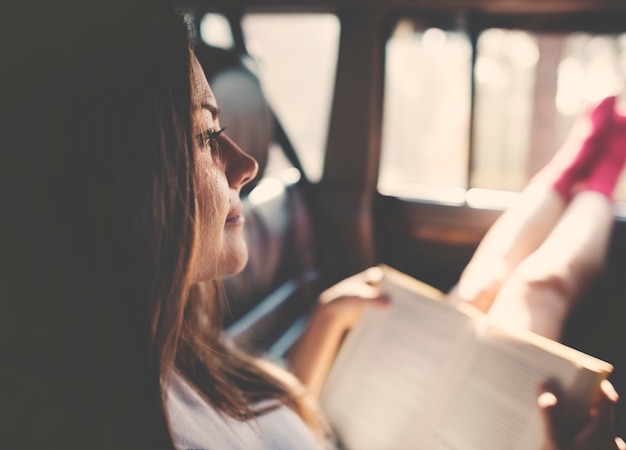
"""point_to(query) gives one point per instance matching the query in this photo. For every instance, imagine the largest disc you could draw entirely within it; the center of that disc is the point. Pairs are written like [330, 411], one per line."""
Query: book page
[494, 405]
[391, 368]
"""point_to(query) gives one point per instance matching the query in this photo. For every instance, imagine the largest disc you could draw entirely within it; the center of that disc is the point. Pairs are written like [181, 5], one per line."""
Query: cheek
[212, 183]
[219, 191]
[212, 202]
[223, 247]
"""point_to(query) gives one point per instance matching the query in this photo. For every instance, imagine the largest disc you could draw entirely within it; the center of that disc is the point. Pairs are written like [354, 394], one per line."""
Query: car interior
[307, 229]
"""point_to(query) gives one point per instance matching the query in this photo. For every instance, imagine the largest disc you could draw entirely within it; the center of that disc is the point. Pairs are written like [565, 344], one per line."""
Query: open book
[425, 374]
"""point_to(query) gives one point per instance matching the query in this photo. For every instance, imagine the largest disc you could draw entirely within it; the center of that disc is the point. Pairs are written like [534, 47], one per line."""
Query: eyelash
[209, 138]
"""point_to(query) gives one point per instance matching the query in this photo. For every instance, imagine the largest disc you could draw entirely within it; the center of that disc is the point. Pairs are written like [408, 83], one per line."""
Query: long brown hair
[98, 208]
[97, 229]
[229, 378]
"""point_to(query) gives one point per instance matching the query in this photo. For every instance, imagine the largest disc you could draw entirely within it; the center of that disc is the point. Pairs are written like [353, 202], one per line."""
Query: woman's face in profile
[222, 169]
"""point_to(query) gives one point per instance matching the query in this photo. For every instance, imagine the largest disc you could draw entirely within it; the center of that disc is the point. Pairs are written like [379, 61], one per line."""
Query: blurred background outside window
[426, 114]
[296, 56]
[529, 87]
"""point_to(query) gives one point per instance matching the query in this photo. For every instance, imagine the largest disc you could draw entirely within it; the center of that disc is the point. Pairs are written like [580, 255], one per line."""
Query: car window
[459, 117]
[296, 55]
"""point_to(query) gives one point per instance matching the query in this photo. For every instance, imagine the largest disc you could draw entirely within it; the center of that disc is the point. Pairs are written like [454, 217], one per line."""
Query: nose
[241, 168]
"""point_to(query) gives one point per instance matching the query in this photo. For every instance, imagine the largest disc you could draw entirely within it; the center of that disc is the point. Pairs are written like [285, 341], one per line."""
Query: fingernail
[546, 400]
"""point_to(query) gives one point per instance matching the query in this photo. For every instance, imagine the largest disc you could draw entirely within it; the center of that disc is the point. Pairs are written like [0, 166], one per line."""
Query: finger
[548, 403]
[604, 408]
[383, 300]
[356, 285]
[363, 300]
[607, 388]
[372, 276]
[621, 445]
[362, 290]
[602, 418]
[380, 300]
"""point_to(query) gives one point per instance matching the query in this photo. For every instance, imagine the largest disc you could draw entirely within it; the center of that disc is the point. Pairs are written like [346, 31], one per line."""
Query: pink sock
[605, 174]
[578, 155]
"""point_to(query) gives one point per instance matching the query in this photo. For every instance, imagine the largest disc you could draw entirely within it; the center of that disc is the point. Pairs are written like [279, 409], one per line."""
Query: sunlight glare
[490, 72]
[601, 79]
[215, 31]
[266, 190]
[570, 77]
[433, 40]
[521, 49]
[491, 41]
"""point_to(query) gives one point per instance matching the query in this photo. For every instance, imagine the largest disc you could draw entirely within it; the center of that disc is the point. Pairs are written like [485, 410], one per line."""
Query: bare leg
[541, 290]
[542, 254]
[518, 232]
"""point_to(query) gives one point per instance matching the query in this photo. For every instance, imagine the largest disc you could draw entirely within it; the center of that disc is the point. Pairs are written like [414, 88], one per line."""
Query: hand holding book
[597, 431]
[339, 309]
[427, 374]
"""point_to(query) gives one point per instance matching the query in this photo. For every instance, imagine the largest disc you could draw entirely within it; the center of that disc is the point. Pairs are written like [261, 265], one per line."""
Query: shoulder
[197, 424]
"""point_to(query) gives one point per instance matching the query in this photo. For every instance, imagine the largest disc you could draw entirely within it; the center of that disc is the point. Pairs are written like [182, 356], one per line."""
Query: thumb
[602, 418]
[548, 404]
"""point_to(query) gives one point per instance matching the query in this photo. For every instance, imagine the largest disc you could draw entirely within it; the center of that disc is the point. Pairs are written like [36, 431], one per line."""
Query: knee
[480, 282]
[543, 285]
[534, 300]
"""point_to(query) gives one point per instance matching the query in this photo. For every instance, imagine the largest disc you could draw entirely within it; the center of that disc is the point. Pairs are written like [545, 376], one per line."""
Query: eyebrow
[214, 110]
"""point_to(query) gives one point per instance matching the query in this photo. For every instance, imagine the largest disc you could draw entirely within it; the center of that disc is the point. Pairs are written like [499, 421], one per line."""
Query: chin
[231, 263]
[228, 260]
[234, 261]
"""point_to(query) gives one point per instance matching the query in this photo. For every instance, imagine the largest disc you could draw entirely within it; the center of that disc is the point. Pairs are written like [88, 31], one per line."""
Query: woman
[120, 211]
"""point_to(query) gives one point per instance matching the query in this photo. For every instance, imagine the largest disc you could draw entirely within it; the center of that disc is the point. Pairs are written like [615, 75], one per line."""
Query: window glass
[297, 59]
[529, 89]
[425, 137]
[505, 82]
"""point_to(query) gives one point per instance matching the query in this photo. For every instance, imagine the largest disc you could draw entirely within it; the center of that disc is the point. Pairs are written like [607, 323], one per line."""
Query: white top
[197, 425]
